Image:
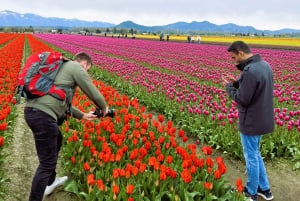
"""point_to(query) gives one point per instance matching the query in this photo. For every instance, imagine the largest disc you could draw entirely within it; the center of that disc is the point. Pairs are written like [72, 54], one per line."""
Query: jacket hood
[253, 58]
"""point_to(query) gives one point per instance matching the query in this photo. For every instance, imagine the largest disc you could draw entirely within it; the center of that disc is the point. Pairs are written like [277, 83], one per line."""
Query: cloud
[267, 14]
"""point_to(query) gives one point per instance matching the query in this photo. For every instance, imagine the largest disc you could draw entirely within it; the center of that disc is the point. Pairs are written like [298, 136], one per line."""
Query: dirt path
[22, 160]
[285, 183]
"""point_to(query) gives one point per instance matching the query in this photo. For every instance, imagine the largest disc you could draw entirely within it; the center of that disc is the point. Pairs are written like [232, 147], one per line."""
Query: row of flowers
[137, 156]
[11, 51]
[10, 60]
[185, 79]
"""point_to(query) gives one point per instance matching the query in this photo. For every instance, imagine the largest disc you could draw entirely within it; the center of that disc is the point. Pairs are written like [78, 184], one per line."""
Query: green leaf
[72, 188]
[162, 194]
[190, 196]
[296, 166]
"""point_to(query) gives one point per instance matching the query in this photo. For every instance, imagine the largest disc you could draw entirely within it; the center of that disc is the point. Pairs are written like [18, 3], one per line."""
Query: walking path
[21, 161]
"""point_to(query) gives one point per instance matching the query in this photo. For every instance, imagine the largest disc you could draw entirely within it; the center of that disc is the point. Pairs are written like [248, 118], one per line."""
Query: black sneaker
[267, 194]
[248, 196]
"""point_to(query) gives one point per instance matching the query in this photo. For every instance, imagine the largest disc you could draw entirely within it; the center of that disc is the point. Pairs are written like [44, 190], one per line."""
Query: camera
[99, 113]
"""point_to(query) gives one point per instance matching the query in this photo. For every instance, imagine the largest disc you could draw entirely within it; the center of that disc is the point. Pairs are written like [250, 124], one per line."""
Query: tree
[123, 31]
[131, 31]
[29, 29]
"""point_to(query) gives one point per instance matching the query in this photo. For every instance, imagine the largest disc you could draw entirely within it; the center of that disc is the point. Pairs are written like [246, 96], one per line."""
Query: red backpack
[38, 74]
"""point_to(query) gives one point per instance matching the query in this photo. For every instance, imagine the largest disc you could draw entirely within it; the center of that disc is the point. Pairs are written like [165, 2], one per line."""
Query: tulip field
[282, 42]
[172, 113]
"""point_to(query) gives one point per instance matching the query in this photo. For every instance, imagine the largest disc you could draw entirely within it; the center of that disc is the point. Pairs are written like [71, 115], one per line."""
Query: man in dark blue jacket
[253, 92]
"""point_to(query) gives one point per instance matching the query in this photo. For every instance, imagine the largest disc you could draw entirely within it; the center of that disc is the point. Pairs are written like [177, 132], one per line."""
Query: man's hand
[89, 116]
[106, 111]
[227, 79]
[224, 80]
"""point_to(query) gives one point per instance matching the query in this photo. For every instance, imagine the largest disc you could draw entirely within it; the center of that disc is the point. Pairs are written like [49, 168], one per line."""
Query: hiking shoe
[267, 194]
[57, 182]
[248, 196]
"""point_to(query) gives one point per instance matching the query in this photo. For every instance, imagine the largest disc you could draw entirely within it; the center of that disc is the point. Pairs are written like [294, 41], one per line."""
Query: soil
[22, 161]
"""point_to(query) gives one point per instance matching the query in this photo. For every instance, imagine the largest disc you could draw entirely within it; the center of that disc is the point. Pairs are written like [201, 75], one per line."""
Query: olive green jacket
[71, 75]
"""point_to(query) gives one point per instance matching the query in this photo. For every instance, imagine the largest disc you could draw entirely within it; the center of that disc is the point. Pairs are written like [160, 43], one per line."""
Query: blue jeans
[256, 171]
[48, 141]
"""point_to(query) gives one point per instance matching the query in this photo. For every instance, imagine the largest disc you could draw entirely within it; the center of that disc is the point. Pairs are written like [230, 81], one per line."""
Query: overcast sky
[261, 14]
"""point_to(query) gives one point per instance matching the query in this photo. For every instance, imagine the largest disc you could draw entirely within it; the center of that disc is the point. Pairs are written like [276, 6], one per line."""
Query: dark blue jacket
[253, 92]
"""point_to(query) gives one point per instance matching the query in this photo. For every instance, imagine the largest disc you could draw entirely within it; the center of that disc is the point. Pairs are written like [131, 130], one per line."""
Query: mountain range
[13, 19]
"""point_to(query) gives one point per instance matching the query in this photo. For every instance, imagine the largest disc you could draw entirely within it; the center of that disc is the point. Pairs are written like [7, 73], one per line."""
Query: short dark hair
[83, 56]
[237, 46]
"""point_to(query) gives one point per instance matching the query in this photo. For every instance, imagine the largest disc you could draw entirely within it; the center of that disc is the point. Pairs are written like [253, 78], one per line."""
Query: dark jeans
[48, 141]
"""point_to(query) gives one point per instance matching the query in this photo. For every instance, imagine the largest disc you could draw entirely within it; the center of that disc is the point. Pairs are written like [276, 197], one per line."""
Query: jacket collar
[251, 59]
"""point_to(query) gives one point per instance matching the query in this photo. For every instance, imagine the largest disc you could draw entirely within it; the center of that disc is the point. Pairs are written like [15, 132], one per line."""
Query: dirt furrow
[21, 160]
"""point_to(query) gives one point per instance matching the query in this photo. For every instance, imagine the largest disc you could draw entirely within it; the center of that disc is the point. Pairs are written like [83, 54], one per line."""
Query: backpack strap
[69, 96]
[19, 93]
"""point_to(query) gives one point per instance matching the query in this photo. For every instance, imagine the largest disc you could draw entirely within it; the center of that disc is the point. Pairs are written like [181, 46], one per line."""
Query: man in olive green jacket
[42, 114]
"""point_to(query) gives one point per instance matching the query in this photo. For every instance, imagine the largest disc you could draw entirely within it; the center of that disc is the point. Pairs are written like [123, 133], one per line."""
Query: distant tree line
[17, 29]
[111, 31]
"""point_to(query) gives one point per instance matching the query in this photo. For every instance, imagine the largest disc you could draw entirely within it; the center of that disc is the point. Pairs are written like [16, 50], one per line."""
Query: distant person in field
[198, 39]
[189, 39]
[253, 92]
[44, 114]
[162, 37]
